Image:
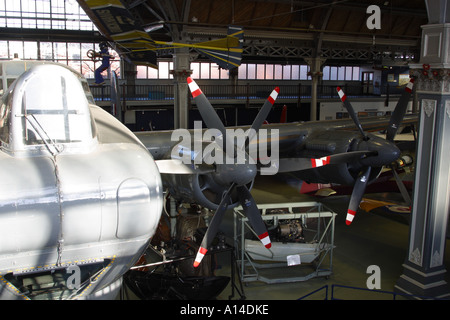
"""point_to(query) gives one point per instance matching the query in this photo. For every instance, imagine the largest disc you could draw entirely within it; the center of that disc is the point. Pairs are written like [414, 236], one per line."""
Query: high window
[44, 14]
[73, 54]
[50, 14]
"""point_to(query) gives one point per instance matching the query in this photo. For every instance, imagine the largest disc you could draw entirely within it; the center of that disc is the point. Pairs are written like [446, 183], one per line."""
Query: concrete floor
[370, 240]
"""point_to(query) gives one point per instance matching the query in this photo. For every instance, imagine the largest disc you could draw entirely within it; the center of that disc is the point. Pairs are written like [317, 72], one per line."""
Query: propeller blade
[401, 187]
[208, 113]
[263, 113]
[205, 108]
[176, 166]
[298, 164]
[399, 112]
[358, 191]
[213, 227]
[253, 215]
[351, 111]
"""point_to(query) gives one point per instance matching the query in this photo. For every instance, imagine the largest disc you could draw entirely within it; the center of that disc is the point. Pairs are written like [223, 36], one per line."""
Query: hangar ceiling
[281, 31]
[289, 30]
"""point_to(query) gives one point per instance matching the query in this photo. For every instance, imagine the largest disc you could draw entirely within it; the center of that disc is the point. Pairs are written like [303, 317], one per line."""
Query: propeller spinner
[383, 152]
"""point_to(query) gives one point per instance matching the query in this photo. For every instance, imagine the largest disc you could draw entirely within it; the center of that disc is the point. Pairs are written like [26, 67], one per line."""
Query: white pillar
[424, 270]
[182, 69]
[316, 74]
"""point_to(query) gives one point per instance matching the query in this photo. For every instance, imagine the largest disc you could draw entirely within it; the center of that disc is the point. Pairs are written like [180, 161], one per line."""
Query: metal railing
[246, 92]
[360, 294]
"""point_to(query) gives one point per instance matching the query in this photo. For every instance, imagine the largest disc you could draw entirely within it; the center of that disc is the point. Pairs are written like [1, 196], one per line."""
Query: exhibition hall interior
[224, 150]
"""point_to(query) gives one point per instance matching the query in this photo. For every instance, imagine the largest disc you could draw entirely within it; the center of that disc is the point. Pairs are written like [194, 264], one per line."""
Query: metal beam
[50, 35]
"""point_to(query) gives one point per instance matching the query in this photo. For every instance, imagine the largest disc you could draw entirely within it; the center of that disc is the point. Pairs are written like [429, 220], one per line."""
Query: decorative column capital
[181, 74]
[431, 78]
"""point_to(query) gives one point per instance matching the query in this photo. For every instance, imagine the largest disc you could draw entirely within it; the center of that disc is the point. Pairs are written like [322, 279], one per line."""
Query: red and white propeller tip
[193, 86]
[265, 240]
[273, 96]
[199, 257]
[350, 216]
[341, 94]
[410, 85]
[320, 162]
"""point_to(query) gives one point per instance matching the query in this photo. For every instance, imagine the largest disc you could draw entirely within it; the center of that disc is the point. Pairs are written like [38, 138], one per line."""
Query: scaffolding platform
[291, 260]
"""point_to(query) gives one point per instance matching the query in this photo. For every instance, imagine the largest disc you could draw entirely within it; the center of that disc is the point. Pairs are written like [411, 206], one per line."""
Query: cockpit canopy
[46, 108]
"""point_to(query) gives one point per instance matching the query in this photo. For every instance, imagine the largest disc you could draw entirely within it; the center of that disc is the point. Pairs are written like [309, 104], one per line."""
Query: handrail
[325, 287]
[394, 294]
[374, 291]
[164, 92]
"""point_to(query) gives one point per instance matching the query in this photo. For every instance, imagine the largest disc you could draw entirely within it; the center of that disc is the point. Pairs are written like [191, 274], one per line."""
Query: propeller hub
[386, 152]
[240, 174]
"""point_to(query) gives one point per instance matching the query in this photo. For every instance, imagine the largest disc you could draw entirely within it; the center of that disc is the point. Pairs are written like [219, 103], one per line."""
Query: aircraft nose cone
[392, 153]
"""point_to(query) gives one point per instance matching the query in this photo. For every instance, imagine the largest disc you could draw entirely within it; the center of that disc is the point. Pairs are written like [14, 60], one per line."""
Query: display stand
[291, 260]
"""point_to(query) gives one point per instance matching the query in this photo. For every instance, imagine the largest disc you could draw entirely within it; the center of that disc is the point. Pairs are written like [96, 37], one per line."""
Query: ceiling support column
[424, 270]
[182, 70]
[315, 65]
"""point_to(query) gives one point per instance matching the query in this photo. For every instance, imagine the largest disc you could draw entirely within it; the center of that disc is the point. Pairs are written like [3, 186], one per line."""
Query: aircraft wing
[134, 44]
[116, 24]
[369, 124]
[320, 152]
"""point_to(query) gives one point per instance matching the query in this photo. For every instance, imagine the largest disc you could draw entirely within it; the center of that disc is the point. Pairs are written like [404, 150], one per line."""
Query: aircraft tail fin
[283, 117]
[226, 52]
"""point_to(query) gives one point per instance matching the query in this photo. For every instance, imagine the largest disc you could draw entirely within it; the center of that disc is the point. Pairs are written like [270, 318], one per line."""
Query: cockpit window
[46, 106]
[54, 109]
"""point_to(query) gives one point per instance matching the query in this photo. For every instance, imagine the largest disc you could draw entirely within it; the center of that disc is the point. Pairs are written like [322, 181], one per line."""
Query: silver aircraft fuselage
[80, 196]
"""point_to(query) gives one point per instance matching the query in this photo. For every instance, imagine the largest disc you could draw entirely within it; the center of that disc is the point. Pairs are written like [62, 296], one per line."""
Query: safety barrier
[370, 294]
[163, 92]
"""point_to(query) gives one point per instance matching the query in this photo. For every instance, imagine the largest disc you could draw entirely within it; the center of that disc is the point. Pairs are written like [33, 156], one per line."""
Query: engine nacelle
[343, 173]
[205, 189]
[201, 189]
